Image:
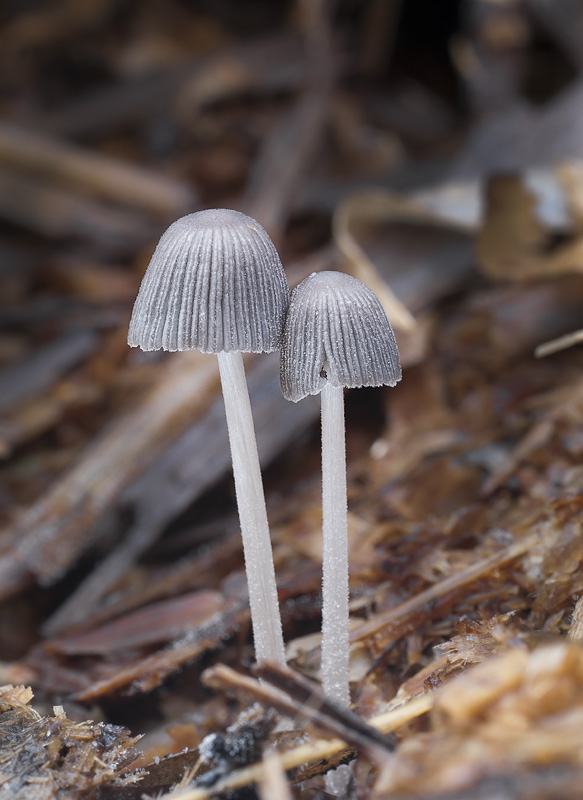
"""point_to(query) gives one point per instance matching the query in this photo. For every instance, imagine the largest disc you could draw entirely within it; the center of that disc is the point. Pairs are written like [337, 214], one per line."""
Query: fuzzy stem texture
[265, 616]
[335, 647]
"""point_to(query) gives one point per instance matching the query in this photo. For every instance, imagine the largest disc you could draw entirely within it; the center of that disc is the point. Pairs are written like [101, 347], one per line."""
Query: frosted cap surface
[337, 331]
[215, 282]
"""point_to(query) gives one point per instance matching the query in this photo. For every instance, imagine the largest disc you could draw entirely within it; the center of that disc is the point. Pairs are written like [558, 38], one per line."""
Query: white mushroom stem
[335, 646]
[265, 617]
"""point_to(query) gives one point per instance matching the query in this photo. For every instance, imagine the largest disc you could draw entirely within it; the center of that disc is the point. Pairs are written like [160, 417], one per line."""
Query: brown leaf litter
[340, 126]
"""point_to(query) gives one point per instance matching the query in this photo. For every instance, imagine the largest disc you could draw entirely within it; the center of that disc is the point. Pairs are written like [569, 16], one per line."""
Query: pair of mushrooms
[215, 283]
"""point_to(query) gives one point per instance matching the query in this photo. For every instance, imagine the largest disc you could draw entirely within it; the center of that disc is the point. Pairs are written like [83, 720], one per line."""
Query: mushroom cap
[215, 282]
[337, 331]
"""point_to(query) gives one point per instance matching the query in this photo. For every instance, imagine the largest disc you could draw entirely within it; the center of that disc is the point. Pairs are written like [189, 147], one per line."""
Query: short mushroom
[215, 283]
[336, 335]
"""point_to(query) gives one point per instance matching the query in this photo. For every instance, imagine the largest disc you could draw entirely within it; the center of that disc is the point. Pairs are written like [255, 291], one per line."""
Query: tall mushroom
[216, 284]
[336, 335]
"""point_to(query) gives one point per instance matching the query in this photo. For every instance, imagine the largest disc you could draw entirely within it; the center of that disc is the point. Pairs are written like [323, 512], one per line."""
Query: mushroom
[336, 335]
[215, 283]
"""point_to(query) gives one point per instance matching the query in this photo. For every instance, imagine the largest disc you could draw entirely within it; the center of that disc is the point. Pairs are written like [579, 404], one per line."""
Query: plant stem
[335, 652]
[265, 617]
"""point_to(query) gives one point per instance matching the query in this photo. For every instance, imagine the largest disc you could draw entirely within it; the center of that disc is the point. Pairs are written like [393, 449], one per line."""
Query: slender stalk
[265, 617]
[335, 642]
[335, 654]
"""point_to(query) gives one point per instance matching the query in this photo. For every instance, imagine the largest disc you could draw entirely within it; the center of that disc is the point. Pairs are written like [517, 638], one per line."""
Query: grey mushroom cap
[337, 331]
[215, 283]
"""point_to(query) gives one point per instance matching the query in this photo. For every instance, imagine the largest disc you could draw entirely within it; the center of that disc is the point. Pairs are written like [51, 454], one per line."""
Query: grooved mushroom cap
[336, 330]
[215, 282]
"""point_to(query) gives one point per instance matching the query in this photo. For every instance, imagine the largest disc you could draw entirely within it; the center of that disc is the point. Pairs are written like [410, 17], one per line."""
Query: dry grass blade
[302, 699]
[359, 264]
[562, 343]
[92, 172]
[55, 529]
[309, 759]
[145, 674]
[396, 617]
[274, 785]
[56, 211]
[539, 435]
[455, 207]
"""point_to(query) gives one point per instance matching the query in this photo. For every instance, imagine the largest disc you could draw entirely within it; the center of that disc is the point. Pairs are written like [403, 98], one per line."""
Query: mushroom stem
[335, 647]
[265, 617]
